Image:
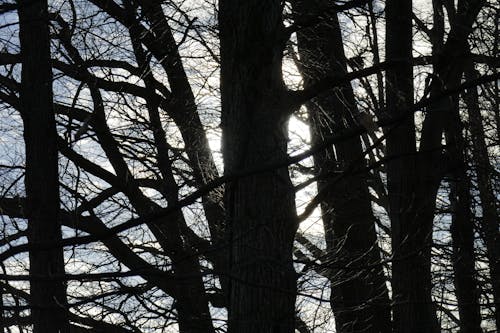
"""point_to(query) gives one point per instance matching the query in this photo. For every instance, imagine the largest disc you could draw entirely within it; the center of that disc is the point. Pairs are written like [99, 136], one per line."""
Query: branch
[299, 97]
[193, 197]
[7, 7]
[321, 15]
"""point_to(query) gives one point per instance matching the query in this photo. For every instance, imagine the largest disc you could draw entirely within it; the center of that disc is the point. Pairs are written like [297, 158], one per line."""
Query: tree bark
[490, 221]
[411, 204]
[413, 180]
[260, 209]
[47, 296]
[359, 296]
[462, 228]
[449, 59]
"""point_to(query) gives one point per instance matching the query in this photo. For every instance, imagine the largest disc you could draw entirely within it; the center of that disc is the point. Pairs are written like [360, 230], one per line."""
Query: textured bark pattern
[47, 296]
[261, 216]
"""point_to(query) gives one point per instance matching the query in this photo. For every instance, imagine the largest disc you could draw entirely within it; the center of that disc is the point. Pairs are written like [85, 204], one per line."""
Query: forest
[249, 166]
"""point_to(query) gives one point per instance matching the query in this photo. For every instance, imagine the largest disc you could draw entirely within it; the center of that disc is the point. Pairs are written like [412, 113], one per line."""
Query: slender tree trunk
[192, 304]
[191, 301]
[184, 113]
[160, 42]
[489, 204]
[359, 296]
[376, 55]
[496, 90]
[261, 215]
[412, 197]
[462, 233]
[449, 60]
[47, 295]
[410, 203]
[462, 229]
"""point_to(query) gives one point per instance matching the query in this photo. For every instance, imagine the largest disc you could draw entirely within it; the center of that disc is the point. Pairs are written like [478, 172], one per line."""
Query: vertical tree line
[355, 187]
[260, 209]
[360, 300]
[47, 289]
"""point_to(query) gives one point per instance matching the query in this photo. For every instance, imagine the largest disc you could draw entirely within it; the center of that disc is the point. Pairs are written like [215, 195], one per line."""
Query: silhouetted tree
[47, 298]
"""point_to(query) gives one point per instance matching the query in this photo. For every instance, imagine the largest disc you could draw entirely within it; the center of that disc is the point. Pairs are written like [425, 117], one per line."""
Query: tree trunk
[413, 180]
[260, 208]
[359, 296]
[490, 222]
[47, 295]
[449, 61]
[184, 113]
[192, 304]
[462, 229]
[411, 195]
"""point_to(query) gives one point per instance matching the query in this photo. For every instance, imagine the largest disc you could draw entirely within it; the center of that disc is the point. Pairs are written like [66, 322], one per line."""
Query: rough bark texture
[47, 296]
[261, 216]
[359, 296]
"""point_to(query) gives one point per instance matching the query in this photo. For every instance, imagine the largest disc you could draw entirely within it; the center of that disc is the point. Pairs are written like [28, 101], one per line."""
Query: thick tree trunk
[411, 195]
[47, 295]
[359, 296]
[261, 215]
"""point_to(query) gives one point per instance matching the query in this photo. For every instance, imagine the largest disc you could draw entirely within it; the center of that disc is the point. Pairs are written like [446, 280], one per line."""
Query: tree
[359, 296]
[47, 295]
[485, 181]
[410, 206]
[158, 239]
[260, 209]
